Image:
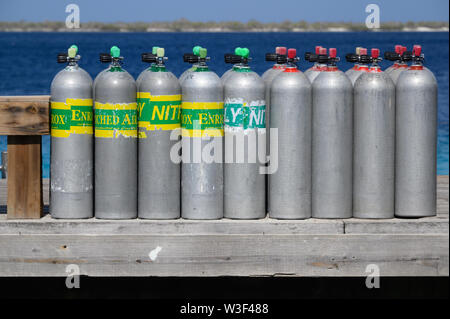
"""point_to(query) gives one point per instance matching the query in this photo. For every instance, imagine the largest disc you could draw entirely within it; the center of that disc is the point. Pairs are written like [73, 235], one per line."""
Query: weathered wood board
[24, 177]
[24, 115]
[224, 255]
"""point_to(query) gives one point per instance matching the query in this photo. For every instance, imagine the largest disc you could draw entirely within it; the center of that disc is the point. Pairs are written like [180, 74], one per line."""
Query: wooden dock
[33, 244]
[400, 247]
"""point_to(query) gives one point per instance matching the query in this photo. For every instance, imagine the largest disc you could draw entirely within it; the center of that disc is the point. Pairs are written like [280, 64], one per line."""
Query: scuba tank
[230, 58]
[245, 139]
[186, 58]
[374, 143]
[159, 108]
[308, 54]
[401, 62]
[290, 186]
[332, 140]
[202, 157]
[72, 142]
[320, 64]
[115, 141]
[416, 117]
[361, 60]
[279, 57]
[398, 52]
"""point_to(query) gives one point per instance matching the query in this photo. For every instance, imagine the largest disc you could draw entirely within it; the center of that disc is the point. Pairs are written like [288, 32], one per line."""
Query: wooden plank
[430, 225]
[47, 225]
[24, 115]
[224, 255]
[93, 226]
[24, 177]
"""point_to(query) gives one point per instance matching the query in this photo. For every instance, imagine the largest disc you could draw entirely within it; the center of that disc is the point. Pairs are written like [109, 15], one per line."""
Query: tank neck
[332, 68]
[242, 68]
[201, 68]
[363, 67]
[416, 67]
[279, 66]
[158, 68]
[115, 62]
[375, 69]
[72, 66]
[73, 63]
[291, 69]
[115, 66]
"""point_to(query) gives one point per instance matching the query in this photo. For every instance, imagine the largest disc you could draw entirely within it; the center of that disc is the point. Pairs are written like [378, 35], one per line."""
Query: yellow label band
[115, 120]
[200, 119]
[75, 116]
[158, 112]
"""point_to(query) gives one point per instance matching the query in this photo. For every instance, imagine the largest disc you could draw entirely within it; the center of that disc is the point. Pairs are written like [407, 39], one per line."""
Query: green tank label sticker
[114, 120]
[71, 117]
[115, 69]
[242, 69]
[240, 114]
[158, 112]
[200, 119]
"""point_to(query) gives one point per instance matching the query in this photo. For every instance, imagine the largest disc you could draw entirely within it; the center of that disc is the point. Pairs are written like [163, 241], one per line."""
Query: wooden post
[24, 177]
[24, 119]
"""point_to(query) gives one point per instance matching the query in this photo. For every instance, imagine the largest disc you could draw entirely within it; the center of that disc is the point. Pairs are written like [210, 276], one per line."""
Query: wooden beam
[224, 255]
[24, 115]
[24, 177]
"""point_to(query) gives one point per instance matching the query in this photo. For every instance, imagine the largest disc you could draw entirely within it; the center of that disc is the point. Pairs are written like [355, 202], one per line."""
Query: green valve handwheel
[115, 52]
[196, 50]
[203, 52]
[243, 52]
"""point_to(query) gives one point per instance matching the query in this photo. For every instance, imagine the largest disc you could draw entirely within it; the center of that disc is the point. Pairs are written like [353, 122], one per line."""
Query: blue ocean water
[28, 60]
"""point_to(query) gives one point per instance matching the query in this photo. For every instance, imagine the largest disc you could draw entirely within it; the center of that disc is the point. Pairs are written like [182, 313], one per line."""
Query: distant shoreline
[211, 31]
[218, 27]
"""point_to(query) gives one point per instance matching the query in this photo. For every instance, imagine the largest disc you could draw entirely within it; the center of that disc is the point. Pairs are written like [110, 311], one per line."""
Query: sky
[224, 10]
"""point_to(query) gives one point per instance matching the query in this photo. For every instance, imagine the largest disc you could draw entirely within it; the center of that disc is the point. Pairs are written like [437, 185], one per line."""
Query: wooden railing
[24, 119]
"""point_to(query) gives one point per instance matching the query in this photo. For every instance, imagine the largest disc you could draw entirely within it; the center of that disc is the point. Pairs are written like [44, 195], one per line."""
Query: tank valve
[199, 56]
[70, 57]
[240, 56]
[400, 54]
[157, 56]
[113, 56]
[279, 53]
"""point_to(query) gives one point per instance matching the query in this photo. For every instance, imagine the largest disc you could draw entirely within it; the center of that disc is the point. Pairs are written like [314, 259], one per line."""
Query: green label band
[247, 117]
[113, 120]
[71, 117]
[202, 118]
[160, 112]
